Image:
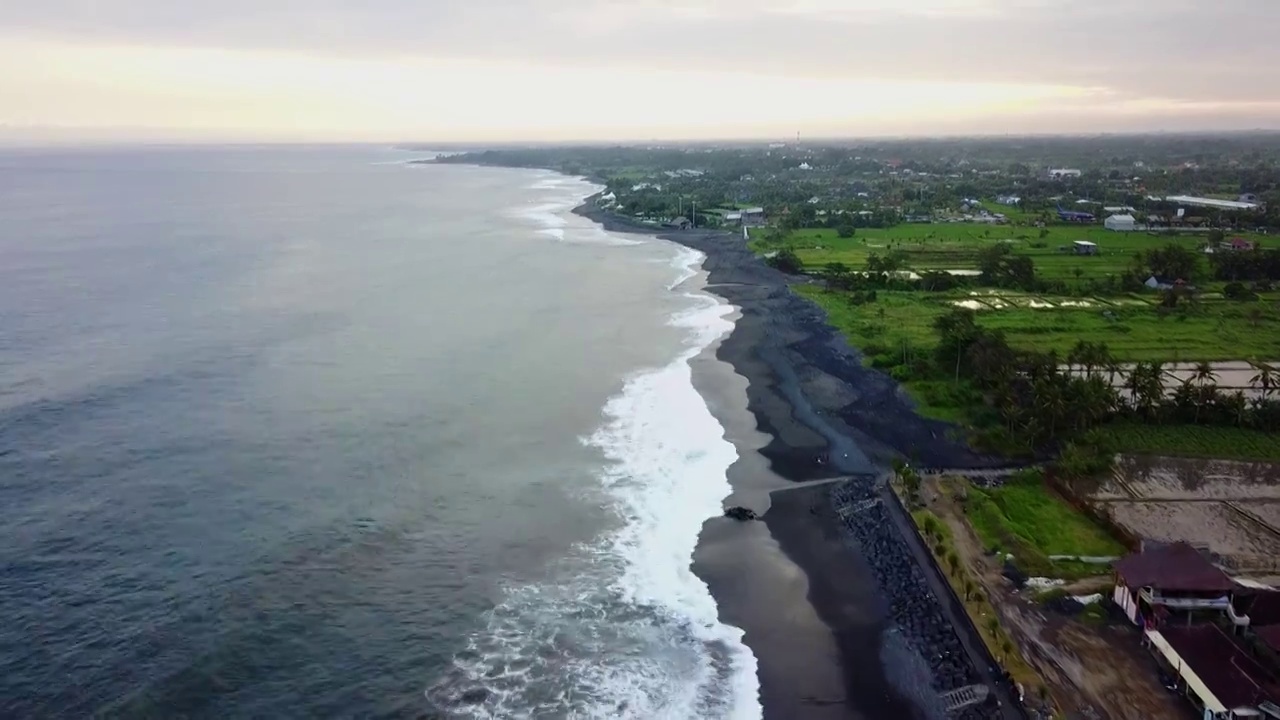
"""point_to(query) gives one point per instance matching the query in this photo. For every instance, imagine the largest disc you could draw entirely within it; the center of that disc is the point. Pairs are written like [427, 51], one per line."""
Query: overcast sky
[604, 69]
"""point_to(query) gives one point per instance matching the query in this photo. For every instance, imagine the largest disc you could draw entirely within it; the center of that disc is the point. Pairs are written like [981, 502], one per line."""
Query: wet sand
[801, 408]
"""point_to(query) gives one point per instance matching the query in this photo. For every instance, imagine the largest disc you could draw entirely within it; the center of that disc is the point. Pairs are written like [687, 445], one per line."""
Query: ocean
[317, 432]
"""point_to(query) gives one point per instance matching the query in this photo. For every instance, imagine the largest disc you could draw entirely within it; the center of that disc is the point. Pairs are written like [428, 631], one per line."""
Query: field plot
[1232, 507]
[1232, 536]
[1204, 441]
[948, 246]
[1164, 478]
[1267, 512]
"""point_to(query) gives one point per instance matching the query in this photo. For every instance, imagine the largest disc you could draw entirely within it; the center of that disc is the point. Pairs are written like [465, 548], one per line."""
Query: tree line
[1039, 398]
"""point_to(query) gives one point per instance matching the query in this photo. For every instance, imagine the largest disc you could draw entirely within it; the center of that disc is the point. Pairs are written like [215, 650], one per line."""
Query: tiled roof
[1226, 669]
[1176, 566]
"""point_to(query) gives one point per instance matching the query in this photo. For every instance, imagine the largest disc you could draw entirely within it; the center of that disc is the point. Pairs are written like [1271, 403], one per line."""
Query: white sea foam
[556, 195]
[630, 631]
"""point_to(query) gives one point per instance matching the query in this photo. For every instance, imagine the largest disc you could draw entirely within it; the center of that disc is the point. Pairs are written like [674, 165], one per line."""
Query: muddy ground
[1095, 671]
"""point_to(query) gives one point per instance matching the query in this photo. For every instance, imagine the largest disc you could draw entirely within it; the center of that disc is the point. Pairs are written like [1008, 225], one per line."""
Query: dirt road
[1096, 672]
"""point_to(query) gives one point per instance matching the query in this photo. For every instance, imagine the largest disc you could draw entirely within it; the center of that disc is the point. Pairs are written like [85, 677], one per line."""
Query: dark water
[300, 431]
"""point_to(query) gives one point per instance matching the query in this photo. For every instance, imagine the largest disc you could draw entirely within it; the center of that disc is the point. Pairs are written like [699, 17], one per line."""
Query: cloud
[1106, 59]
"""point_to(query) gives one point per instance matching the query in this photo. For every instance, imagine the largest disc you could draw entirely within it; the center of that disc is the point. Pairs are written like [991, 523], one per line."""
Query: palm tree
[1204, 372]
[993, 627]
[1006, 647]
[1205, 395]
[968, 589]
[1265, 379]
[1237, 406]
[930, 525]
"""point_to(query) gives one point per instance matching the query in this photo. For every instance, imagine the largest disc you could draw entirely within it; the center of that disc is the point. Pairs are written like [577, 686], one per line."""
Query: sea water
[316, 431]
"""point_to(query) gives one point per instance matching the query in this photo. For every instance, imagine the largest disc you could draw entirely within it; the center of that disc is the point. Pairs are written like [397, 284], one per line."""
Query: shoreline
[807, 417]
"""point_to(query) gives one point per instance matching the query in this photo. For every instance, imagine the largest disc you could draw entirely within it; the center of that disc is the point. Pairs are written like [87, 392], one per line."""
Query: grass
[1194, 441]
[955, 246]
[1025, 518]
[978, 608]
[901, 322]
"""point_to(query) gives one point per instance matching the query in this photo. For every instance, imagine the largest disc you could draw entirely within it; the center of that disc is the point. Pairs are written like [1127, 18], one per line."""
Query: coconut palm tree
[1204, 373]
[1206, 395]
[1236, 406]
[1265, 380]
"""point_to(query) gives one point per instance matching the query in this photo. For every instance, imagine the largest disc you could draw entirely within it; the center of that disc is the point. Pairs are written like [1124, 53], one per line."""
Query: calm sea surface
[298, 432]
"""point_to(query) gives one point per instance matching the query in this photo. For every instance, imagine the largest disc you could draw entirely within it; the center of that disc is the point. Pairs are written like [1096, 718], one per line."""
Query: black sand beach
[834, 588]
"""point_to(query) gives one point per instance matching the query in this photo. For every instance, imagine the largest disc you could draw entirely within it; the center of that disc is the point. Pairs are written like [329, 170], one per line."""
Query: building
[1009, 200]
[1240, 244]
[753, 216]
[1060, 173]
[1220, 677]
[1121, 223]
[1248, 198]
[1118, 209]
[1159, 581]
[1192, 201]
[1084, 247]
[733, 216]
[680, 223]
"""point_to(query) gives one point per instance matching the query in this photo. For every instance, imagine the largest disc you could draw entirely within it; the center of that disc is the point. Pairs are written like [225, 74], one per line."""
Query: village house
[1084, 247]
[1215, 672]
[1153, 584]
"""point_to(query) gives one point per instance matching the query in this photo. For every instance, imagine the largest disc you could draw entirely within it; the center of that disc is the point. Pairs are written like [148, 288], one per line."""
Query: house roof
[1176, 566]
[1086, 243]
[1223, 667]
[1262, 607]
[1270, 636]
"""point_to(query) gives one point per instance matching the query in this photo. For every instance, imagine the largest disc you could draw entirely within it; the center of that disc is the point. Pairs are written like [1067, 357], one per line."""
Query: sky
[564, 70]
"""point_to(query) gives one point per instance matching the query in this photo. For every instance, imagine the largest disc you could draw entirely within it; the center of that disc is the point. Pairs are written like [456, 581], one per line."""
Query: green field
[1026, 519]
[1193, 441]
[901, 321]
[955, 246]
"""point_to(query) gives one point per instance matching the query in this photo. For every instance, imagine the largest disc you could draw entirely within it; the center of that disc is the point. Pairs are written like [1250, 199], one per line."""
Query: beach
[840, 603]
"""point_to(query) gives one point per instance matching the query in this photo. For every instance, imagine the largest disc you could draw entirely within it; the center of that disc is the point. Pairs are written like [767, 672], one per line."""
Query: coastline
[807, 416]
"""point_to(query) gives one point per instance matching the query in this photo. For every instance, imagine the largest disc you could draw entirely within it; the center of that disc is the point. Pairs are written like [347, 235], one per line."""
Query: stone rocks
[741, 514]
[912, 606]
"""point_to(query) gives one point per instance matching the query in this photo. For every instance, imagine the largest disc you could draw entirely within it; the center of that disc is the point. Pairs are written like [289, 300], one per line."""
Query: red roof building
[1215, 671]
[1262, 607]
[1270, 636]
[1170, 577]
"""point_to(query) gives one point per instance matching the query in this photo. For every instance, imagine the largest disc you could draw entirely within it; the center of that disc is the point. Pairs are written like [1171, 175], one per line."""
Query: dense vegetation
[897, 179]
[948, 263]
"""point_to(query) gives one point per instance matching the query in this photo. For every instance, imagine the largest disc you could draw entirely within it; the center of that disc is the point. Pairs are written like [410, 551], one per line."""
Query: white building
[1059, 173]
[1121, 223]
[1211, 203]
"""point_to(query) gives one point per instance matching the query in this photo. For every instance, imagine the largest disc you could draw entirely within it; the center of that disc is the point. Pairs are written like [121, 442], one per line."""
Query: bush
[787, 261]
[1238, 291]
